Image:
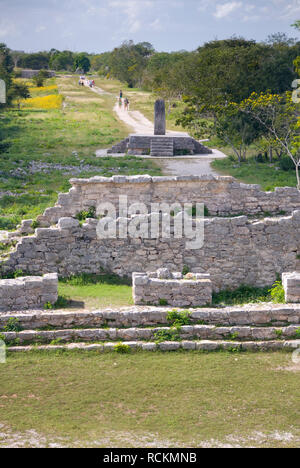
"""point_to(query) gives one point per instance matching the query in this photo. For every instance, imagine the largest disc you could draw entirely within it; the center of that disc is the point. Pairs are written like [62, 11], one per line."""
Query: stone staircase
[120, 147]
[255, 328]
[162, 147]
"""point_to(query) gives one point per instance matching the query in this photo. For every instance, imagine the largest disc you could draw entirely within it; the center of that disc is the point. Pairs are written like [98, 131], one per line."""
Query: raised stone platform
[173, 289]
[181, 144]
[28, 292]
[291, 285]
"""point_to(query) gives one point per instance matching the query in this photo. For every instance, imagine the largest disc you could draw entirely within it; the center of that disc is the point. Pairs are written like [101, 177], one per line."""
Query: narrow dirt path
[196, 165]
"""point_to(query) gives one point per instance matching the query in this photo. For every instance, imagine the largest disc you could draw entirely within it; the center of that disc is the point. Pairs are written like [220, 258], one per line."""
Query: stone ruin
[291, 286]
[174, 289]
[241, 244]
[161, 144]
[29, 292]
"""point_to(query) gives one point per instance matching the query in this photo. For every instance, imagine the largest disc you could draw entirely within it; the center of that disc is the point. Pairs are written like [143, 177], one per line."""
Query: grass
[171, 399]
[243, 295]
[142, 101]
[68, 136]
[97, 291]
[108, 290]
[251, 172]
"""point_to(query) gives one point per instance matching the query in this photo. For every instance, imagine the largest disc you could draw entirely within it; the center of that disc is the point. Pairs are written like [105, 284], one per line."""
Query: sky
[100, 25]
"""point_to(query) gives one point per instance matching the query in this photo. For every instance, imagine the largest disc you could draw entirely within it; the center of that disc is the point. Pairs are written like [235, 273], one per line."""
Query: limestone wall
[28, 292]
[291, 285]
[173, 288]
[236, 251]
[221, 195]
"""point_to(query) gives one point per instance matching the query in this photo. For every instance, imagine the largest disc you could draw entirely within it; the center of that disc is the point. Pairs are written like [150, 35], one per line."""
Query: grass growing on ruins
[43, 148]
[243, 295]
[97, 291]
[138, 399]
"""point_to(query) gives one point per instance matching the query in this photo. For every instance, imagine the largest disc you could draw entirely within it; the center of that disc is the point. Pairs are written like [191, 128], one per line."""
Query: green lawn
[67, 136]
[96, 291]
[172, 399]
[251, 172]
[142, 101]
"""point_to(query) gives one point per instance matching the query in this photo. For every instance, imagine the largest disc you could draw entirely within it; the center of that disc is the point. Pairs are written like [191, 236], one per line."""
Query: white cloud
[7, 30]
[223, 10]
[156, 25]
[40, 29]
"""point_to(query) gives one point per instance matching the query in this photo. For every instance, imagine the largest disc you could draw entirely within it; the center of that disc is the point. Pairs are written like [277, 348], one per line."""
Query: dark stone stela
[160, 117]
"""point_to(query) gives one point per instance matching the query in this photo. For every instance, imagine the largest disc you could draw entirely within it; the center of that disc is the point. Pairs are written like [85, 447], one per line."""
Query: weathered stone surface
[160, 117]
[169, 346]
[291, 285]
[28, 292]
[235, 251]
[135, 316]
[153, 288]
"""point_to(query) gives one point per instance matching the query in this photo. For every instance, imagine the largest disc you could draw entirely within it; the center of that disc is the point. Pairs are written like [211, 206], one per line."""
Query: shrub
[277, 293]
[177, 318]
[122, 348]
[185, 270]
[35, 224]
[62, 302]
[48, 305]
[83, 215]
[13, 325]
[286, 164]
[163, 335]
[163, 302]
[297, 333]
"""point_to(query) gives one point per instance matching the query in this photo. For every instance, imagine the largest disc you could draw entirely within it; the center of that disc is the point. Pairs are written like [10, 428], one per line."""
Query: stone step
[135, 316]
[162, 147]
[187, 332]
[203, 345]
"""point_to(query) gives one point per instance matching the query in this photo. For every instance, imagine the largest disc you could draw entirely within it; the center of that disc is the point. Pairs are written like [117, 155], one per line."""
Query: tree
[16, 56]
[19, 91]
[36, 61]
[225, 121]
[40, 78]
[62, 60]
[82, 62]
[280, 38]
[128, 62]
[279, 117]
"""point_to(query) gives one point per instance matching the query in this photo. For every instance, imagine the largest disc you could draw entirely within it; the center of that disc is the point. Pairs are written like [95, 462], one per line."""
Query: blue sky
[100, 25]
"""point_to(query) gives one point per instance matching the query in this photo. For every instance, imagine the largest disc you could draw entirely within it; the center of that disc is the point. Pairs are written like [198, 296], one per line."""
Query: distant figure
[121, 94]
[126, 104]
[120, 102]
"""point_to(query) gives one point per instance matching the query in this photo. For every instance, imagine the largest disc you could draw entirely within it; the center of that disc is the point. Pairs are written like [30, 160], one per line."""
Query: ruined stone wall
[222, 196]
[28, 292]
[172, 288]
[236, 251]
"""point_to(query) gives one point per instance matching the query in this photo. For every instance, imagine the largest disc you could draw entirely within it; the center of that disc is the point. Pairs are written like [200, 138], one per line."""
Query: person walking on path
[121, 94]
[126, 104]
